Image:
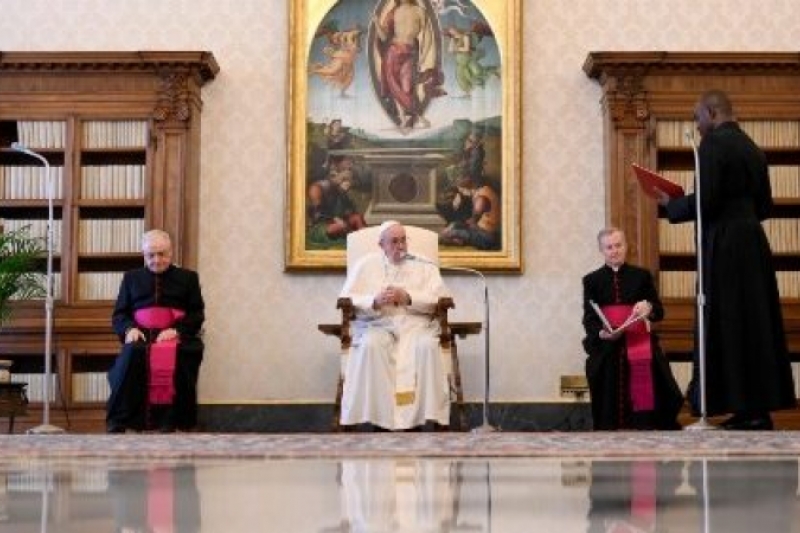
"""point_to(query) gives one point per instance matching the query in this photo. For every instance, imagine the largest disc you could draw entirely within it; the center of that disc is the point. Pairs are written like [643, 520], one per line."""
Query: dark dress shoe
[733, 420]
[115, 428]
[761, 423]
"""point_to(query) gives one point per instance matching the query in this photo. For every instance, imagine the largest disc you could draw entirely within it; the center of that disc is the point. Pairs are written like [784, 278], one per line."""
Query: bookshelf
[647, 104]
[121, 132]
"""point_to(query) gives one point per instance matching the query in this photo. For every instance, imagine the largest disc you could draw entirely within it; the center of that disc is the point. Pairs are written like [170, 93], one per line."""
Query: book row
[108, 182]
[90, 387]
[115, 134]
[91, 285]
[784, 180]
[29, 182]
[43, 282]
[783, 235]
[49, 134]
[682, 284]
[86, 386]
[113, 182]
[37, 228]
[36, 385]
[765, 133]
[110, 235]
[99, 285]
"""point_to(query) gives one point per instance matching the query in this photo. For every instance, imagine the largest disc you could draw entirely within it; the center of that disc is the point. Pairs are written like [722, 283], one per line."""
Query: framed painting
[405, 110]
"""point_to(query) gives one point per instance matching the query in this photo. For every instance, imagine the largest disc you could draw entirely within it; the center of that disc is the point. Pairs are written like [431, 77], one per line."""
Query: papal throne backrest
[421, 242]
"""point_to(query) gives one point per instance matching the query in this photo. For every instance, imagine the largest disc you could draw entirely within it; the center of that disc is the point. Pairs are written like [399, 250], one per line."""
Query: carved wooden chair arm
[348, 314]
[444, 304]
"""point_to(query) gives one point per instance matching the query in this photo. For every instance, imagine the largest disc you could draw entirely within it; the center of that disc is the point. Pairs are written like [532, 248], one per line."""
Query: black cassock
[176, 288]
[747, 362]
[607, 369]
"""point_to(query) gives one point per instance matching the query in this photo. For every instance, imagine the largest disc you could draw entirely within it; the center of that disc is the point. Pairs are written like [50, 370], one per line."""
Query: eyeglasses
[397, 240]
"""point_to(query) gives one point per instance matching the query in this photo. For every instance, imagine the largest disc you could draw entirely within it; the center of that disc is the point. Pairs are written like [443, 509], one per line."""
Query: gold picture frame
[406, 110]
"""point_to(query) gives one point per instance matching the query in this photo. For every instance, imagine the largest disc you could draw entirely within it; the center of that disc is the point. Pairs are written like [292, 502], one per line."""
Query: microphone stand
[701, 424]
[46, 427]
[486, 427]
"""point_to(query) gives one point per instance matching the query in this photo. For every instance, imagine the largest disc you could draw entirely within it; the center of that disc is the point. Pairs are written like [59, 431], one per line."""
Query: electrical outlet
[574, 386]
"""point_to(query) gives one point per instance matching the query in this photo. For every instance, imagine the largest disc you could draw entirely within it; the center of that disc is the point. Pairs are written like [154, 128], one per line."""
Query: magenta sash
[640, 356]
[161, 385]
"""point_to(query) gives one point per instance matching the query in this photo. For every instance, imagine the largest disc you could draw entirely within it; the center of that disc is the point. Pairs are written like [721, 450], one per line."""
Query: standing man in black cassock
[159, 309]
[748, 372]
[630, 381]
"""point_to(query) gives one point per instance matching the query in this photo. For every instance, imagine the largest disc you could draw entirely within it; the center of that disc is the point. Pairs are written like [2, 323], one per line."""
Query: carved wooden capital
[626, 101]
[173, 98]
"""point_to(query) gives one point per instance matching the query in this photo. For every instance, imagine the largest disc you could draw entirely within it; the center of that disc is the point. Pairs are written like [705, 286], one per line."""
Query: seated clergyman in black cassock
[630, 381]
[158, 316]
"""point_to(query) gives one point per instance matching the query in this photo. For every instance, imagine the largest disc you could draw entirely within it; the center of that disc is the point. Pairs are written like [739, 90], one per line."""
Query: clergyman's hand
[642, 308]
[133, 335]
[662, 197]
[168, 334]
[606, 336]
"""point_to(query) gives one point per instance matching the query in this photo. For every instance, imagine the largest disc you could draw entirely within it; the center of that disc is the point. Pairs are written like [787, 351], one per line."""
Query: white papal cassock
[395, 374]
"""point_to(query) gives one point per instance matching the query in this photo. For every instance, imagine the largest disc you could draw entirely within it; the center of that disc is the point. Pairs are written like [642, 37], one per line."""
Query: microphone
[486, 426]
[412, 257]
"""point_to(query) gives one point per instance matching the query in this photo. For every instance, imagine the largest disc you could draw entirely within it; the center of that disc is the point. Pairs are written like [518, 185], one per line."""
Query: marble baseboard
[317, 418]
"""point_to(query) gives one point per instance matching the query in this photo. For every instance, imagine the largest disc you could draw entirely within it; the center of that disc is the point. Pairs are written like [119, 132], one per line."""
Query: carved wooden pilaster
[627, 113]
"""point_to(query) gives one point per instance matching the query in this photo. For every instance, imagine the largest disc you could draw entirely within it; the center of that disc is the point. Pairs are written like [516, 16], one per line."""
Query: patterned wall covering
[261, 332]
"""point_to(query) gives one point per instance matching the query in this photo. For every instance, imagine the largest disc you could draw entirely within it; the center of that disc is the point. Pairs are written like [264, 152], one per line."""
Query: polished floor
[755, 494]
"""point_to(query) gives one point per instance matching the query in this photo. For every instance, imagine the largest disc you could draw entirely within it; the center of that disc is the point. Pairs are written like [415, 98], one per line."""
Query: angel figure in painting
[342, 50]
[470, 72]
[405, 59]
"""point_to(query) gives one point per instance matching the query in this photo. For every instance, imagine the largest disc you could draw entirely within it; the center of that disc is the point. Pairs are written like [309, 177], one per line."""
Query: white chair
[423, 243]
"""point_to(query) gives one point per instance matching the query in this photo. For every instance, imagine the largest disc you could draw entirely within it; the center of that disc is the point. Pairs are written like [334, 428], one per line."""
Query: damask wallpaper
[262, 340]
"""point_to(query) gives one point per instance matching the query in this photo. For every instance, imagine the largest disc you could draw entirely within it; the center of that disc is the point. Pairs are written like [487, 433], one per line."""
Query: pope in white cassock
[395, 376]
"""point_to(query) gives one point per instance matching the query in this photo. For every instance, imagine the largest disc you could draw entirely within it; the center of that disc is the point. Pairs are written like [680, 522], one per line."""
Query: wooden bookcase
[648, 102]
[121, 132]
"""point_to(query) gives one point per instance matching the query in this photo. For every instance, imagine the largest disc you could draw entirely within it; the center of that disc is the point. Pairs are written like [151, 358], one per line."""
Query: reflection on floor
[416, 495]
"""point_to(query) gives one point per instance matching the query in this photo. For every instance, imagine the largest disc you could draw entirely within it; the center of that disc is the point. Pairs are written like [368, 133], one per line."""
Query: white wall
[262, 339]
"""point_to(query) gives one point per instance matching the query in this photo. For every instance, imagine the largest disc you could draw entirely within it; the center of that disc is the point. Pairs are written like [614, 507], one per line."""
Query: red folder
[650, 181]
